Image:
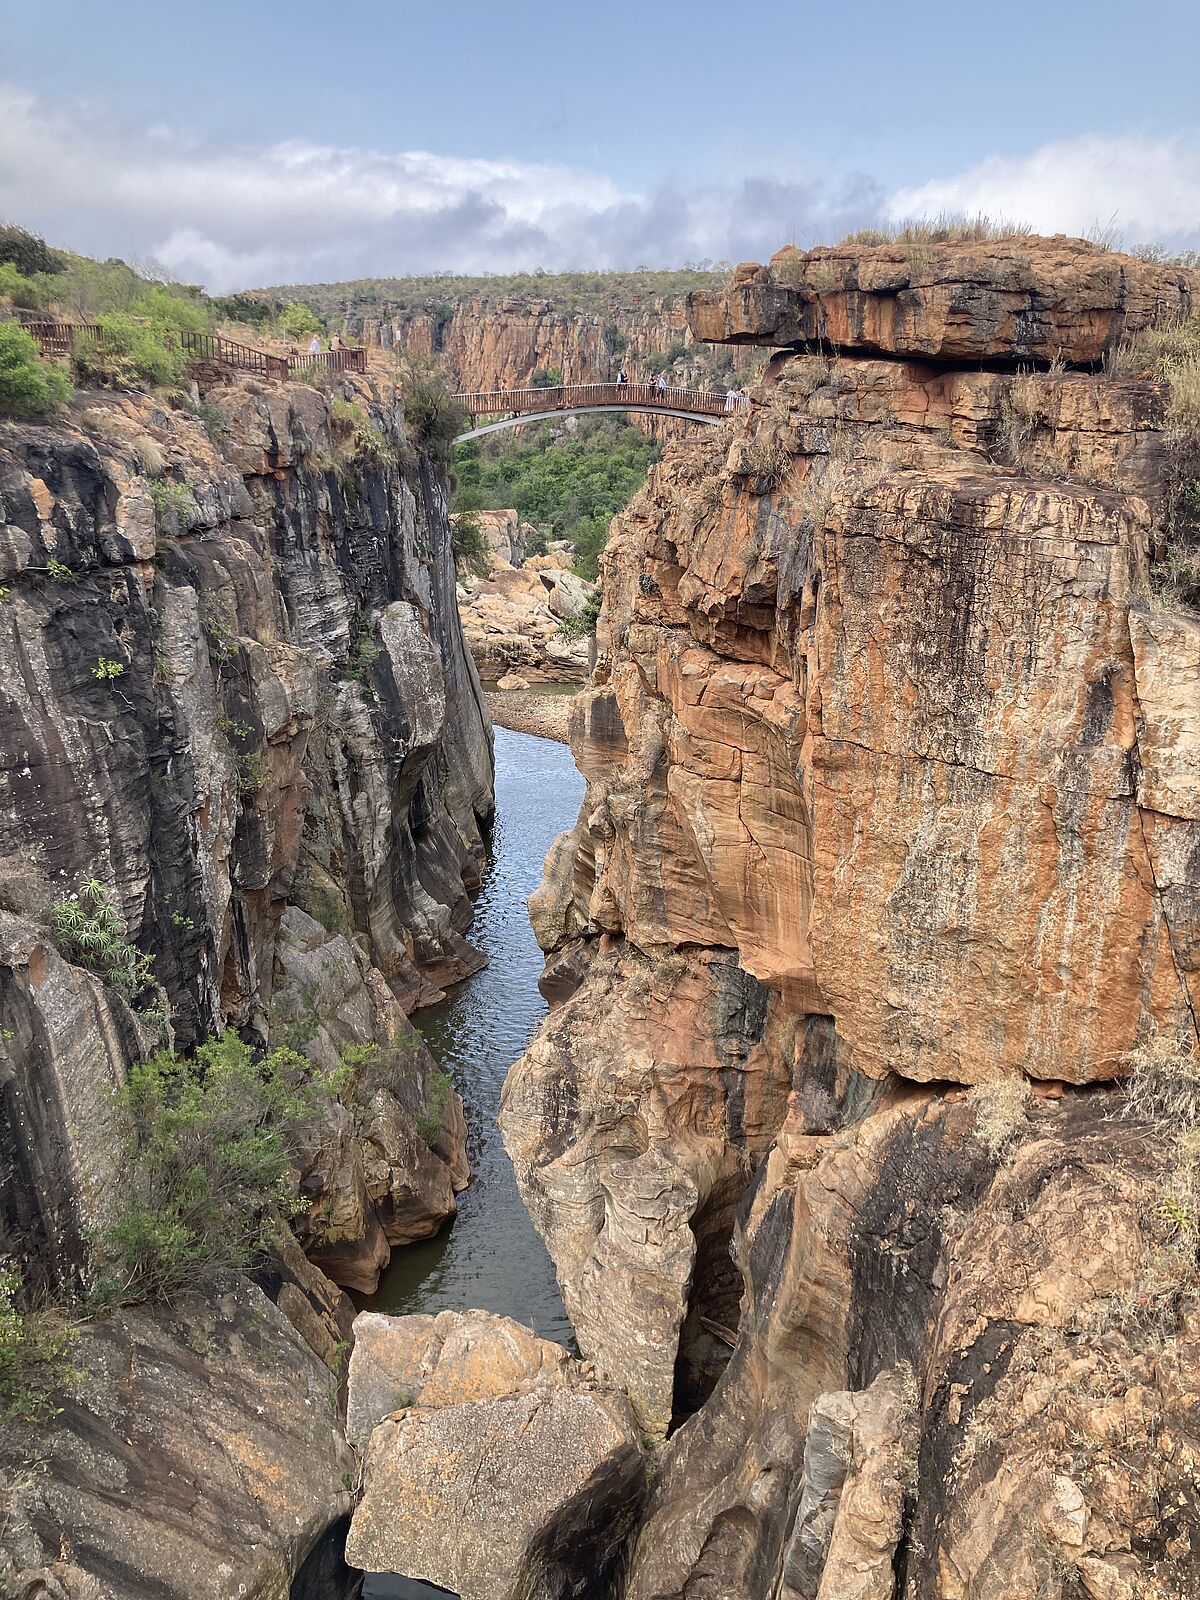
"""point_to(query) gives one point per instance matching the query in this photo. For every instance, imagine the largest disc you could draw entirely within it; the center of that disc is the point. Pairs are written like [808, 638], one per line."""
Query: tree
[296, 319]
[29, 386]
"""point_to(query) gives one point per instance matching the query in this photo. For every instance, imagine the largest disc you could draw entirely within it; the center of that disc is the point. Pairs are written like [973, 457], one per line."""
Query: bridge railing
[579, 396]
[56, 339]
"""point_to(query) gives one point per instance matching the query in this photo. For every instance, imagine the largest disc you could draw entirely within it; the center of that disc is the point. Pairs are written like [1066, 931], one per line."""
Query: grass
[1001, 1114]
[945, 228]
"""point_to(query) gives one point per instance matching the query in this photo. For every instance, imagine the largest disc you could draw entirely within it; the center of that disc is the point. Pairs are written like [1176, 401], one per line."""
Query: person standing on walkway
[621, 378]
[314, 345]
[731, 400]
[661, 385]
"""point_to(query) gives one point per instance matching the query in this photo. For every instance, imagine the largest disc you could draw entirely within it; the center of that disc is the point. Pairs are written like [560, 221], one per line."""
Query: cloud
[297, 211]
[1140, 189]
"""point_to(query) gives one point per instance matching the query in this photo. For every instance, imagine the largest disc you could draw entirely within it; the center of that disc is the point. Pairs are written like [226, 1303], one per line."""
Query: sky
[252, 143]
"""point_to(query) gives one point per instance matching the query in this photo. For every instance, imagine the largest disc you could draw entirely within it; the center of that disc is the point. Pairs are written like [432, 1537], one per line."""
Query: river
[490, 1256]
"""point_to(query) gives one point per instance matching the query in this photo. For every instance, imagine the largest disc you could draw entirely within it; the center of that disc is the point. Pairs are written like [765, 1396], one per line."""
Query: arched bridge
[511, 407]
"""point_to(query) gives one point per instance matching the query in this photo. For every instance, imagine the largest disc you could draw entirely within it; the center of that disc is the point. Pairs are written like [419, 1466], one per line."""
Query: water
[490, 1256]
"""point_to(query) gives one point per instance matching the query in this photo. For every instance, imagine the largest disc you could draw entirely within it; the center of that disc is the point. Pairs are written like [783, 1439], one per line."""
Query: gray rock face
[252, 716]
[202, 1459]
[496, 1466]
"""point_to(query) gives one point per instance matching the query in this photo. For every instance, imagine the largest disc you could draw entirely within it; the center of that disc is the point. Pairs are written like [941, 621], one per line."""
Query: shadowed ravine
[491, 1257]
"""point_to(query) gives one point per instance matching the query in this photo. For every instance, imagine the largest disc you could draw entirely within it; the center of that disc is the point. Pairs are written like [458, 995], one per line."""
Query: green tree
[296, 320]
[28, 252]
[29, 386]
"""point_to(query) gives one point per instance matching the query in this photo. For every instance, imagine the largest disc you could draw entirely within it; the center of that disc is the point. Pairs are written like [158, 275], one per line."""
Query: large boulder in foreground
[1018, 298]
[496, 1466]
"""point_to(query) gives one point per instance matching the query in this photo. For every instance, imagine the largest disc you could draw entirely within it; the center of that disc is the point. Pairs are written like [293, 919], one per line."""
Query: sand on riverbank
[527, 711]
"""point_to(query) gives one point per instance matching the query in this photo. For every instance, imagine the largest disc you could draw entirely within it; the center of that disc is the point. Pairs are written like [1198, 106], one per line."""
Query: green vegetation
[107, 670]
[434, 417]
[946, 228]
[174, 500]
[546, 378]
[59, 571]
[601, 292]
[296, 320]
[87, 928]
[583, 625]
[362, 656]
[429, 1123]
[571, 485]
[210, 1166]
[28, 252]
[254, 311]
[36, 1349]
[129, 355]
[467, 541]
[29, 386]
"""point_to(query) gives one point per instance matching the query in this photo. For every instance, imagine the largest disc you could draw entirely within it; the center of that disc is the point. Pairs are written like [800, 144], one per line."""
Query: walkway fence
[586, 396]
[57, 339]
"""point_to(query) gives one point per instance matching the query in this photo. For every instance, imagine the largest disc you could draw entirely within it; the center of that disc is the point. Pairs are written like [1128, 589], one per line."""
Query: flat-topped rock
[496, 1465]
[1018, 299]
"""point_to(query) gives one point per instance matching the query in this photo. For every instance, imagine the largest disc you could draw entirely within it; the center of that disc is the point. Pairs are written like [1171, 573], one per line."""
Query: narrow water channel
[490, 1256]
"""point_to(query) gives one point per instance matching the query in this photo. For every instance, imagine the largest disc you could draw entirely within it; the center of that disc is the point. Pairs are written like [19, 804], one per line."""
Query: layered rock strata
[495, 1465]
[512, 619]
[891, 760]
[237, 695]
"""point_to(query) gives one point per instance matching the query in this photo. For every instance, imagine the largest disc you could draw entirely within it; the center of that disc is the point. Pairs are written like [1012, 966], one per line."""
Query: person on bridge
[661, 385]
[621, 378]
[731, 400]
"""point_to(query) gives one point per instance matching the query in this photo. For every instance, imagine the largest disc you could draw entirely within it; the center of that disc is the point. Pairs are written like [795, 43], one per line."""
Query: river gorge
[828, 1231]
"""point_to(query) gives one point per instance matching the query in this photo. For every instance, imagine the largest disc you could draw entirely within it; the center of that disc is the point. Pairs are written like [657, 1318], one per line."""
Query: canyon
[861, 1119]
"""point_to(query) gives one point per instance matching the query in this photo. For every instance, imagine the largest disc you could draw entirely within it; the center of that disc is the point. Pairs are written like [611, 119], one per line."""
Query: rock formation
[512, 619]
[891, 752]
[238, 706]
[496, 1466]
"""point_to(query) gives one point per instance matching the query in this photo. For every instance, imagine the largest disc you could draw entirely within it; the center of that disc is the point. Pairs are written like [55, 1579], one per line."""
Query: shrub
[547, 378]
[1163, 1092]
[467, 542]
[434, 417]
[28, 252]
[254, 310]
[129, 354]
[1001, 1114]
[88, 931]
[363, 655]
[296, 320]
[36, 1349]
[59, 571]
[583, 624]
[174, 500]
[209, 1166]
[29, 386]
[18, 290]
[148, 454]
[429, 1123]
[106, 670]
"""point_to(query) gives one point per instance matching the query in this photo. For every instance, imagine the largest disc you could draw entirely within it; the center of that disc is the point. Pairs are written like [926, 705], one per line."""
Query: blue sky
[247, 143]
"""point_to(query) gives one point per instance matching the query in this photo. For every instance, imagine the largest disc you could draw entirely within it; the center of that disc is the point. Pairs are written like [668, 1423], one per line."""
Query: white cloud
[1144, 189]
[297, 211]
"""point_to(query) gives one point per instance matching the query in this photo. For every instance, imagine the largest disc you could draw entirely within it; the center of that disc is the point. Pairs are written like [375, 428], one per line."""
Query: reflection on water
[490, 1256]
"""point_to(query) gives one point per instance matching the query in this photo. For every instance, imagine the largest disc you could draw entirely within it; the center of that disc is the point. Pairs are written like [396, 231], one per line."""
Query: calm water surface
[490, 1255]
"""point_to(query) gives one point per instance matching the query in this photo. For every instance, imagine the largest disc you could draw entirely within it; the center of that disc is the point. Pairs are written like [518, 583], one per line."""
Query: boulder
[496, 1465]
[512, 681]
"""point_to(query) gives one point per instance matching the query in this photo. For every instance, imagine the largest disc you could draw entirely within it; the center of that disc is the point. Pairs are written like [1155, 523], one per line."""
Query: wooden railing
[56, 339]
[583, 396]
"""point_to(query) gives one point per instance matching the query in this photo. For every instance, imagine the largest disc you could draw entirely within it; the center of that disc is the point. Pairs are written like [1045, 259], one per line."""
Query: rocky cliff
[238, 710]
[892, 820]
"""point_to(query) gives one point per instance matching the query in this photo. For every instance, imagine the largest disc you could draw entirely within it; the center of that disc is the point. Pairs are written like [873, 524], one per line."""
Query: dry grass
[1163, 1091]
[148, 456]
[1001, 1114]
[946, 228]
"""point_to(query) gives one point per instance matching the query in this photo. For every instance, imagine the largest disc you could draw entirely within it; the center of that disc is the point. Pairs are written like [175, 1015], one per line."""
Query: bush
[18, 290]
[174, 500]
[467, 542]
[130, 354]
[434, 417]
[88, 931]
[253, 310]
[209, 1170]
[35, 1357]
[296, 320]
[28, 252]
[547, 378]
[29, 386]
[429, 1123]
[583, 624]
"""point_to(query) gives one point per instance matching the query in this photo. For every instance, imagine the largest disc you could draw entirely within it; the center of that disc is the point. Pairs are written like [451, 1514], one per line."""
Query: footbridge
[511, 407]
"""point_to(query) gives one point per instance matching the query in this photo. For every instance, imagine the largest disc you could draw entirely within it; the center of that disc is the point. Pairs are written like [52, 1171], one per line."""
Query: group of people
[734, 398]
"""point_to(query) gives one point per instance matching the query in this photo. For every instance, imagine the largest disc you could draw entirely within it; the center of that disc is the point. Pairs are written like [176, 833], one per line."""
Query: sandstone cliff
[238, 705]
[892, 766]
[237, 695]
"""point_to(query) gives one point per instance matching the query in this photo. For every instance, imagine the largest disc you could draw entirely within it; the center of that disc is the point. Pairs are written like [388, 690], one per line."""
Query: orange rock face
[1023, 298]
[888, 722]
